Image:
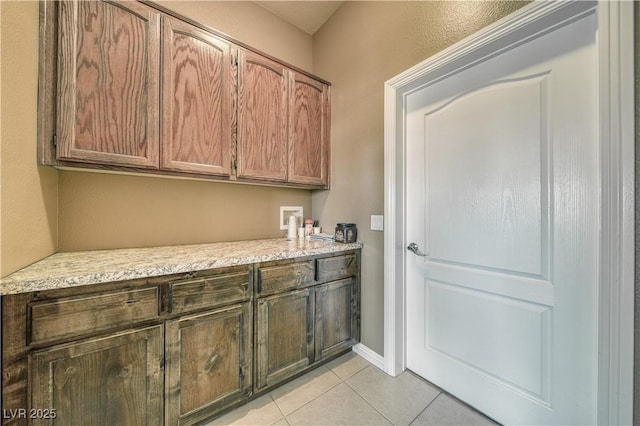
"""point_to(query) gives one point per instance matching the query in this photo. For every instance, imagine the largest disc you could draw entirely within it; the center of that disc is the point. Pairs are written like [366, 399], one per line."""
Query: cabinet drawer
[67, 317]
[210, 291]
[276, 278]
[335, 268]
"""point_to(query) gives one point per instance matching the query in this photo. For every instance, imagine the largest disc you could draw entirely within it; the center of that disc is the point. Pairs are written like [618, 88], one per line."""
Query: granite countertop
[62, 270]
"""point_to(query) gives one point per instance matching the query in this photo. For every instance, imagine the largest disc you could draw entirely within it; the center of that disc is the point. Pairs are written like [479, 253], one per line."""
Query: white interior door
[503, 197]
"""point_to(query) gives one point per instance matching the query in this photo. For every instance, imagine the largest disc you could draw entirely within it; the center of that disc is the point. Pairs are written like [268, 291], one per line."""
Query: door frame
[616, 141]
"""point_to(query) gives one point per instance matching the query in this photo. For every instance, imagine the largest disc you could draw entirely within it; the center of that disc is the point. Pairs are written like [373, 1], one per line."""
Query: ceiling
[306, 15]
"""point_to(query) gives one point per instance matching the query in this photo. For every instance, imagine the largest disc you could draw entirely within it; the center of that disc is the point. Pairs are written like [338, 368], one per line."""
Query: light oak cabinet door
[197, 100]
[208, 363]
[114, 380]
[308, 131]
[262, 118]
[284, 335]
[108, 64]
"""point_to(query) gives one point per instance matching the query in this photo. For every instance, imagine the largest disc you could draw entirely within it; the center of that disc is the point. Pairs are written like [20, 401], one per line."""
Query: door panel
[466, 325]
[499, 199]
[503, 195]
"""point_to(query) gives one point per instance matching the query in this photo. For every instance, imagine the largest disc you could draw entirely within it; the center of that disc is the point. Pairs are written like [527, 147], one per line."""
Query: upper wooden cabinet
[131, 86]
[108, 83]
[197, 94]
[283, 123]
[262, 118]
[308, 130]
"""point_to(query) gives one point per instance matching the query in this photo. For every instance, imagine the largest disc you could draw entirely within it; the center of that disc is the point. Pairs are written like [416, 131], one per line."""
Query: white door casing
[614, 263]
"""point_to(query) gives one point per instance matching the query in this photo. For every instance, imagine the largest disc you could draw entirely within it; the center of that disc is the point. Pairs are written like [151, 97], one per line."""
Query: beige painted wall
[28, 194]
[43, 210]
[361, 46]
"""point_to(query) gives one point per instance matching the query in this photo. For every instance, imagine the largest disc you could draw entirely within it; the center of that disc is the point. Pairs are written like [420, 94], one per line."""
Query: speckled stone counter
[62, 270]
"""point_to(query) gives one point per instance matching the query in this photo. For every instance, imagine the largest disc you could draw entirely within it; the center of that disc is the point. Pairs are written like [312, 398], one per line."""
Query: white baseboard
[370, 355]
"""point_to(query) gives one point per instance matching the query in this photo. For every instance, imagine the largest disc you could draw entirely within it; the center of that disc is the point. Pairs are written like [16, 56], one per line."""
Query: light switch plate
[377, 222]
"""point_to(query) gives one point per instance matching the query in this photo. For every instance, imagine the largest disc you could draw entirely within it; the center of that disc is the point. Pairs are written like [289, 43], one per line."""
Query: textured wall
[358, 49]
[28, 193]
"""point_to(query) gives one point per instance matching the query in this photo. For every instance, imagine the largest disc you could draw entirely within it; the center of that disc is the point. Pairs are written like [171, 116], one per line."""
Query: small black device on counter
[346, 233]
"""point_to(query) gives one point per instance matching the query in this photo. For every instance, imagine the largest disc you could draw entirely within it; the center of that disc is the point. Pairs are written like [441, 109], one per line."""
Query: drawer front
[335, 268]
[210, 291]
[68, 317]
[282, 277]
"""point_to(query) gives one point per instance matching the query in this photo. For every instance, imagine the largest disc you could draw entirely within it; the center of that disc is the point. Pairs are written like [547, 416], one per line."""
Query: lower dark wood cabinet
[208, 363]
[284, 336]
[114, 380]
[335, 319]
[176, 349]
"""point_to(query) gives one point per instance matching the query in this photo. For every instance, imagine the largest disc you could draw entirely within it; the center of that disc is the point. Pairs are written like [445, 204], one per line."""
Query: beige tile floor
[351, 391]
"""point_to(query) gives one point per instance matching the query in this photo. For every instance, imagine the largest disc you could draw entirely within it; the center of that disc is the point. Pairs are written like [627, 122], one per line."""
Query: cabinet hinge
[234, 164]
[54, 140]
[234, 58]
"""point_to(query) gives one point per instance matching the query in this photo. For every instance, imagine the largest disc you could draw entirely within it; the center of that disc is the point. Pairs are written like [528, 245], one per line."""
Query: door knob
[413, 248]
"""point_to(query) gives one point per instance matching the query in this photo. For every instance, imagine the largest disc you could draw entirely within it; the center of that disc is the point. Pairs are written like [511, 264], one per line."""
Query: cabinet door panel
[108, 83]
[284, 336]
[115, 380]
[197, 125]
[335, 302]
[262, 118]
[308, 131]
[208, 363]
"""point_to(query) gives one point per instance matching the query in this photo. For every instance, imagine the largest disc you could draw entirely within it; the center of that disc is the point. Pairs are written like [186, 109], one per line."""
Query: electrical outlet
[377, 222]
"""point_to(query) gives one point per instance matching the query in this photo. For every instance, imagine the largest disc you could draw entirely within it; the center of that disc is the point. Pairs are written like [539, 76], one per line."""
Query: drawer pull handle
[210, 363]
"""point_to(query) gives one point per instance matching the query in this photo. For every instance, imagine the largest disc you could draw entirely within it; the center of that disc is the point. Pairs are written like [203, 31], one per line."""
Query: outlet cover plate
[286, 211]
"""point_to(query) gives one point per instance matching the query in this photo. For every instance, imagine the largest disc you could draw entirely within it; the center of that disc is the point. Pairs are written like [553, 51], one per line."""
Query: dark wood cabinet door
[308, 131]
[197, 91]
[335, 314]
[115, 380]
[284, 336]
[208, 363]
[262, 118]
[108, 66]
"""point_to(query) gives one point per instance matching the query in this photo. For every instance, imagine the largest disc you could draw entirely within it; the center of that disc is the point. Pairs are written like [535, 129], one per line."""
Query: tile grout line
[365, 399]
[427, 407]
[311, 400]
[278, 407]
